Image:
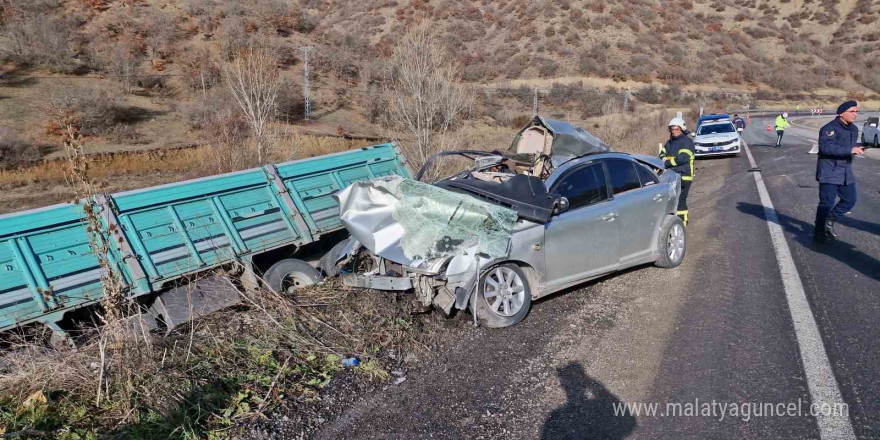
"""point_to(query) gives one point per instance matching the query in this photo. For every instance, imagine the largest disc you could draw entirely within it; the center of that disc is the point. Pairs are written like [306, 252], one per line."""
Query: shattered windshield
[405, 220]
[440, 222]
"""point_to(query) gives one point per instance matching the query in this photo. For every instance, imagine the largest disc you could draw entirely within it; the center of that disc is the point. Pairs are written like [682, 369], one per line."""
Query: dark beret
[846, 106]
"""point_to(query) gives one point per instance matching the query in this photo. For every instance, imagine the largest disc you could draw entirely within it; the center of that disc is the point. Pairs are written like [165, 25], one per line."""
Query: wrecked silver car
[559, 208]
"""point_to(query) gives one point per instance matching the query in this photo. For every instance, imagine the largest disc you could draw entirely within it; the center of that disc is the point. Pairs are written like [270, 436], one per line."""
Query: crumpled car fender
[332, 262]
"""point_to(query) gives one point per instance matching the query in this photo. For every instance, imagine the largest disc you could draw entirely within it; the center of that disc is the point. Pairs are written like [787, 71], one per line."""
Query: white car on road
[716, 138]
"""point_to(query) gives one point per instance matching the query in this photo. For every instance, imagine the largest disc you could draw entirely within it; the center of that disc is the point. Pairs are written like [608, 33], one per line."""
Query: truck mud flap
[189, 301]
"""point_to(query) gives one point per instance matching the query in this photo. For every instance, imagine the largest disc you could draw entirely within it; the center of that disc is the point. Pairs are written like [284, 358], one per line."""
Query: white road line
[820, 378]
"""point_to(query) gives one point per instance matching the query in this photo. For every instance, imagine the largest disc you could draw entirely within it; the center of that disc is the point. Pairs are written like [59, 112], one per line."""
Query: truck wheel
[671, 242]
[504, 296]
[288, 275]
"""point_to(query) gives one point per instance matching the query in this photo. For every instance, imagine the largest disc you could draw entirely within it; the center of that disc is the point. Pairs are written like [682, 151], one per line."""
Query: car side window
[646, 176]
[623, 175]
[583, 186]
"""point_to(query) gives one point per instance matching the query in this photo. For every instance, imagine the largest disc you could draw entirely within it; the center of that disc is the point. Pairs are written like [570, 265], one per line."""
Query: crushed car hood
[408, 222]
[568, 141]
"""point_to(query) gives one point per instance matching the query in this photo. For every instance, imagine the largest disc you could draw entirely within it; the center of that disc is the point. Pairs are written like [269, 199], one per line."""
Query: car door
[582, 241]
[660, 194]
[636, 207]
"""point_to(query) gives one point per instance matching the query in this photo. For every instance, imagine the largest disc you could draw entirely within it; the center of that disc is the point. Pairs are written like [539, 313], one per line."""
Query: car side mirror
[692, 134]
[562, 205]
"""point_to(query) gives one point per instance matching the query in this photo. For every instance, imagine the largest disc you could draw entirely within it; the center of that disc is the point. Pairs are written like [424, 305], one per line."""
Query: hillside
[783, 45]
[151, 66]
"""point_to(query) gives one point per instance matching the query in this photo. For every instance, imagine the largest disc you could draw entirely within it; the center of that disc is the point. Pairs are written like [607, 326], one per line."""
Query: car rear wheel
[672, 242]
[286, 276]
[504, 297]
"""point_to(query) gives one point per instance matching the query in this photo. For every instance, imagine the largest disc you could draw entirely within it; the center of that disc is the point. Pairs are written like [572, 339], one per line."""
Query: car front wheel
[504, 296]
[672, 242]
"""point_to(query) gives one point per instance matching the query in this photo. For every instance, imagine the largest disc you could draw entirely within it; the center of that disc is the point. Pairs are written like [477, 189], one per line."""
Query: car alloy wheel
[675, 243]
[504, 291]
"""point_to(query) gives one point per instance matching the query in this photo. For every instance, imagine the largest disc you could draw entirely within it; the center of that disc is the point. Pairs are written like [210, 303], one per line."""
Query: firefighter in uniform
[838, 141]
[678, 154]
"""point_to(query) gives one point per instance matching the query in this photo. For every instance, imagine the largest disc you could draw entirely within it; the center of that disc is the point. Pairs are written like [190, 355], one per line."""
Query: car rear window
[716, 128]
[623, 175]
[647, 176]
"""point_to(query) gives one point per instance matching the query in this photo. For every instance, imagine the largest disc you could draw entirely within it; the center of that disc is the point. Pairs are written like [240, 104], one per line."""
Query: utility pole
[307, 99]
[535, 104]
[626, 102]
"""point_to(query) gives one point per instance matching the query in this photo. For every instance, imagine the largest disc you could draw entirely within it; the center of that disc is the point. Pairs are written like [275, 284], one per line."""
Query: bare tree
[123, 60]
[226, 132]
[200, 71]
[425, 97]
[253, 80]
[37, 38]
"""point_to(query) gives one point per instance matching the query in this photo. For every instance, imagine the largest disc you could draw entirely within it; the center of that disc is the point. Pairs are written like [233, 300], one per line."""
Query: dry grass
[110, 165]
[184, 161]
[133, 170]
[211, 377]
[635, 133]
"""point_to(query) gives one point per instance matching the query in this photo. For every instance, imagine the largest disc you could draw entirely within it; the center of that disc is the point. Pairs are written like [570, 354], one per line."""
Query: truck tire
[504, 296]
[671, 242]
[288, 275]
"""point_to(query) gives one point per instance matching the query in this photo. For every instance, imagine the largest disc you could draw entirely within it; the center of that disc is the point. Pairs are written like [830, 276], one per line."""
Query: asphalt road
[841, 280]
[718, 328]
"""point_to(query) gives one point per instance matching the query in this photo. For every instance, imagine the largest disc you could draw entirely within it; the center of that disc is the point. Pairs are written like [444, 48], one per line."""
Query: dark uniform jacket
[678, 154]
[836, 142]
[739, 122]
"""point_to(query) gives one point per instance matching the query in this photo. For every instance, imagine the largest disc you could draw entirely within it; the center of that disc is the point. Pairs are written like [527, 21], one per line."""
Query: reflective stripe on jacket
[678, 154]
[781, 123]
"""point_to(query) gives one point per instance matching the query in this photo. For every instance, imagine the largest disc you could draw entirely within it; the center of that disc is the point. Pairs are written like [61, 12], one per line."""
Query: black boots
[829, 229]
[826, 233]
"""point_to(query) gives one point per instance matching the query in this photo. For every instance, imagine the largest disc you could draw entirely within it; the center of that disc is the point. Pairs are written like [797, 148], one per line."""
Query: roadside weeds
[213, 377]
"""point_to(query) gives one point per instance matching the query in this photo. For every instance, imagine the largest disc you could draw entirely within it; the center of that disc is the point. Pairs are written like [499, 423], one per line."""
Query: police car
[716, 136]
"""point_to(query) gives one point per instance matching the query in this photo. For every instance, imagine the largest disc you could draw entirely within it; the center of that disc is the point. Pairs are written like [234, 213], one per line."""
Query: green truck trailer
[164, 237]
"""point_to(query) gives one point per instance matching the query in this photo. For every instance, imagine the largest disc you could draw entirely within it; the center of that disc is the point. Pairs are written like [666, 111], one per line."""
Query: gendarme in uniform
[838, 141]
